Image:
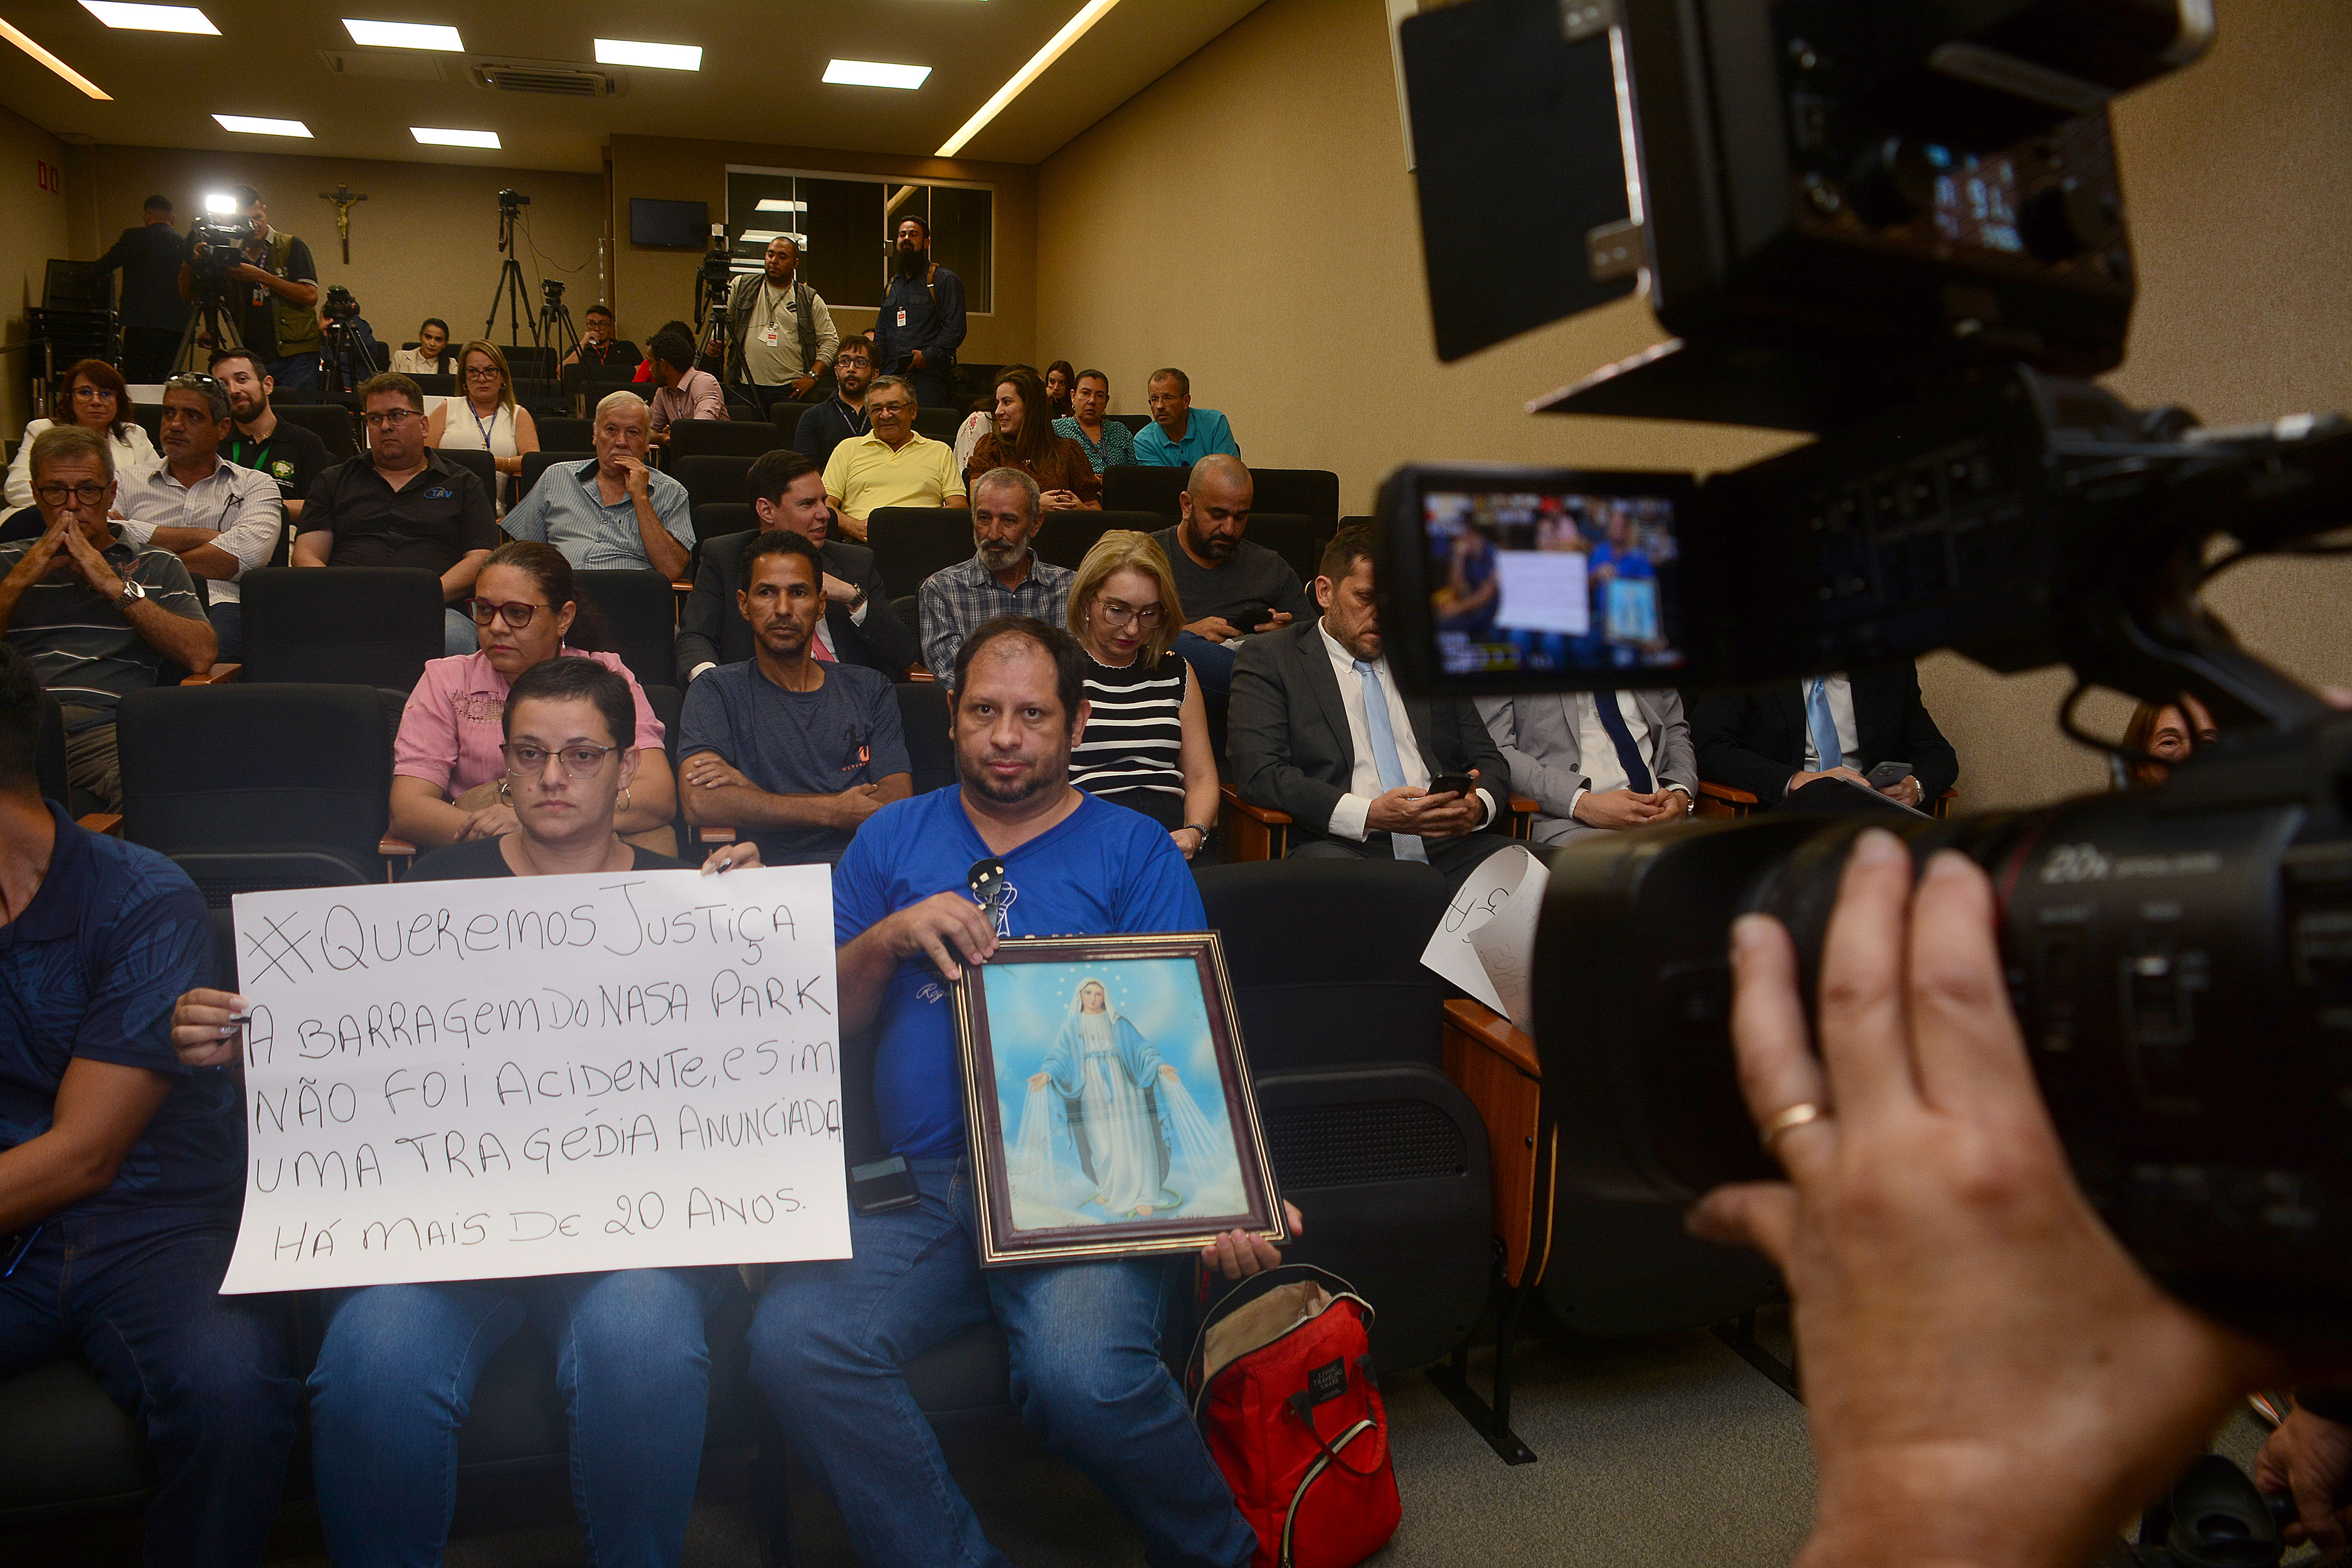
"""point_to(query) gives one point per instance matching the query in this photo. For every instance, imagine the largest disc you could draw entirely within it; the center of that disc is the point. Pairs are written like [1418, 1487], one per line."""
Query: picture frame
[1107, 1100]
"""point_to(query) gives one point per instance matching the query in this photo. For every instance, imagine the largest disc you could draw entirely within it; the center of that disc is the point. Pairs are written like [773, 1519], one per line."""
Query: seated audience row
[485, 417]
[94, 396]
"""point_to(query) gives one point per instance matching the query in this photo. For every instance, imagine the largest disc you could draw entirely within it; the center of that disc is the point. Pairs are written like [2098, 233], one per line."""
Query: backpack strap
[1298, 1406]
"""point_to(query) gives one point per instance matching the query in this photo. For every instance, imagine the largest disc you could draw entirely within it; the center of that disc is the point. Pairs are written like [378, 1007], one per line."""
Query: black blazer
[1286, 732]
[711, 630]
[1755, 741]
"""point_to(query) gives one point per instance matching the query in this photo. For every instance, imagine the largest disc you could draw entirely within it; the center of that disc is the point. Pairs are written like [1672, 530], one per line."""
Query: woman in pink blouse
[447, 768]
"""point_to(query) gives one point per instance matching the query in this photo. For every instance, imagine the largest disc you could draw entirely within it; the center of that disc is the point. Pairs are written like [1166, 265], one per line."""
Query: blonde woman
[485, 418]
[1146, 744]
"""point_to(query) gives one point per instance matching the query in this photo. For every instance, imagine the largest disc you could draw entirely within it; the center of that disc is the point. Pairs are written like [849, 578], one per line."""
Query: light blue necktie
[1384, 752]
[1823, 724]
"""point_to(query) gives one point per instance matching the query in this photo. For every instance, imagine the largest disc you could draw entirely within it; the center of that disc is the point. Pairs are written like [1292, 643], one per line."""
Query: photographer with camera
[270, 288]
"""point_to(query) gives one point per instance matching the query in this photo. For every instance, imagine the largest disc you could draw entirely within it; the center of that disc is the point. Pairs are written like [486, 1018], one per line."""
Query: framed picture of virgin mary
[1107, 1094]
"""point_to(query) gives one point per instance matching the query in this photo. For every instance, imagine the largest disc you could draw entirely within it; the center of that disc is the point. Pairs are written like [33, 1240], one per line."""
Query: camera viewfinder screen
[1550, 582]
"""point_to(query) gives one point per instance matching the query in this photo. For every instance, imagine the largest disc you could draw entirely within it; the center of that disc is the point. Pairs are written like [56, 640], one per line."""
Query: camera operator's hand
[1989, 1379]
[2310, 1457]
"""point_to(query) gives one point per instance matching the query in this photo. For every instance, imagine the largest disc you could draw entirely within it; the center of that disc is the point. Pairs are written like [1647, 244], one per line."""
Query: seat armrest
[1250, 831]
[399, 856]
[1723, 800]
[919, 673]
[713, 836]
[1260, 814]
[218, 675]
[107, 821]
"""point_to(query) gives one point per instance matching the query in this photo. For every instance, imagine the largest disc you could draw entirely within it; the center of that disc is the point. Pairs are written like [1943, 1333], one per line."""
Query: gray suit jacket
[1537, 736]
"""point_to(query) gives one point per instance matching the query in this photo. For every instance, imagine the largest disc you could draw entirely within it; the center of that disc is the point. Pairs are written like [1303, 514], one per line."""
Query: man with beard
[830, 1339]
[1003, 577]
[922, 323]
[290, 454]
[1224, 582]
[219, 519]
[842, 417]
[792, 750]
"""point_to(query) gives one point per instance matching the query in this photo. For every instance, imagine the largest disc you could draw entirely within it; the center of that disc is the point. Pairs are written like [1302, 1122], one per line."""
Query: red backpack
[1282, 1386]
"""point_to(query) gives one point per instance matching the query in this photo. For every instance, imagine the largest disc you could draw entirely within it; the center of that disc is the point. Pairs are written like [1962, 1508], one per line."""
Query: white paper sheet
[482, 1080]
[1503, 897]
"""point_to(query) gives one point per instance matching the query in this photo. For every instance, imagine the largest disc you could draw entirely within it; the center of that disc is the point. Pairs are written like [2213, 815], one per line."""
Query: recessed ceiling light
[873, 73]
[433, 138]
[150, 18]
[404, 36]
[55, 64]
[251, 126]
[771, 204]
[1072, 31]
[666, 57]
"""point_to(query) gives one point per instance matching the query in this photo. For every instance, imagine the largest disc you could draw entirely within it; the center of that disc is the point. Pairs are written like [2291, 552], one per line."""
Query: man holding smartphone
[1229, 586]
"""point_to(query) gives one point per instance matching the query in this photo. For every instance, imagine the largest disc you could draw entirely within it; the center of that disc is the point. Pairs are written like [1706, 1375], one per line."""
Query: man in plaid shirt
[1003, 577]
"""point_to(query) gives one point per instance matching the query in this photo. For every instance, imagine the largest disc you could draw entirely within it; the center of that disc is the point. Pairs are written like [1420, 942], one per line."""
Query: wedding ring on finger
[1796, 1116]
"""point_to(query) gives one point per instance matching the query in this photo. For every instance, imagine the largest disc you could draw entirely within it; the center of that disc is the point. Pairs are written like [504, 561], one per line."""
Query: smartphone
[1456, 783]
[1887, 774]
[882, 1185]
[1250, 618]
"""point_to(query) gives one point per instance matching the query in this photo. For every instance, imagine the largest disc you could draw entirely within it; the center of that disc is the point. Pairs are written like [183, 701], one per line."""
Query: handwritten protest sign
[481, 1079]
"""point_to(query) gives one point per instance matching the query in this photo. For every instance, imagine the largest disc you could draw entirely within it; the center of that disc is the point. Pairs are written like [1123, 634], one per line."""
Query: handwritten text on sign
[549, 1075]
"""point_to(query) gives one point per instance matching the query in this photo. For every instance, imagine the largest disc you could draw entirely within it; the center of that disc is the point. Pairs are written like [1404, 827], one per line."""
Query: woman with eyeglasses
[94, 396]
[487, 418]
[1146, 744]
[449, 780]
[394, 1378]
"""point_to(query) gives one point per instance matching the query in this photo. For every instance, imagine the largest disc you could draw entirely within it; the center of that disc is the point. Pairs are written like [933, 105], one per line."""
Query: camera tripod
[210, 321]
[510, 291]
[556, 330]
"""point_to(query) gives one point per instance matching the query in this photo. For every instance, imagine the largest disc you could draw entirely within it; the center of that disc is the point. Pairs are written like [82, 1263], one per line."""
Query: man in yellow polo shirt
[889, 465]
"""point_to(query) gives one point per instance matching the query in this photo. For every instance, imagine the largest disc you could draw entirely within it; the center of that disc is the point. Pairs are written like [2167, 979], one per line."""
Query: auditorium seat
[723, 437]
[1127, 487]
[711, 477]
[1066, 536]
[640, 613]
[536, 463]
[147, 416]
[716, 520]
[482, 465]
[1135, 422]
[910, 542]
[67, 1451]
[371, 625]
[565, 434]
[1299, 541]
[940, 424]
[1383, 1154]
[923, 717]
[1308, 492]
[252, 786]
[330, 422]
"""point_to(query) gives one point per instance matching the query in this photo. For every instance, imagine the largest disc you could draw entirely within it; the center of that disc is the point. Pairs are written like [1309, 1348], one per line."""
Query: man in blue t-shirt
[122, 1173]
[830, 1339]
[794, 749]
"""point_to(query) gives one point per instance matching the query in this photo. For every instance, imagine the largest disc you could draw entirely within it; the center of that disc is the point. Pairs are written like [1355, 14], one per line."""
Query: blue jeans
[830, 1338]
[1212, 661]
[296, 373]
[135, 1296]
[396, 1380]
[458, 636]
[932, 388]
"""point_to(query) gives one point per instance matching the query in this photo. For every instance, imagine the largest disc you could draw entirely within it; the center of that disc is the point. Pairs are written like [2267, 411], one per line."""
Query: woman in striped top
[1146, 744]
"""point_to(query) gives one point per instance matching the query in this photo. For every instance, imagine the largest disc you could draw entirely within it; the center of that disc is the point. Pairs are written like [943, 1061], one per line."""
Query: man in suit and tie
[787, 490]
[1596, 762]
[1319, 730]
[1792, 740]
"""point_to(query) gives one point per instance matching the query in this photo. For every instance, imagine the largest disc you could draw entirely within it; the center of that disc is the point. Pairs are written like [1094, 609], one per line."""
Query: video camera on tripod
[1901, 229]
[216, 240]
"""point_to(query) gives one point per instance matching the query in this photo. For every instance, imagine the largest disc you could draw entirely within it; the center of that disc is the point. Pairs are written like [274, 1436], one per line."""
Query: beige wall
[34, 225]
[656, 284]
[425, 243]
[1282, 271]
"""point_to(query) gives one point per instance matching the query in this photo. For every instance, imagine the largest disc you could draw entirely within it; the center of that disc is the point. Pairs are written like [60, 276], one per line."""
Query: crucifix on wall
[342, 195]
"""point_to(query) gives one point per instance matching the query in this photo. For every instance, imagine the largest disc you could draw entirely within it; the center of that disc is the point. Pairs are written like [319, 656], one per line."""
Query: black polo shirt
[294, 456]
[433, 521]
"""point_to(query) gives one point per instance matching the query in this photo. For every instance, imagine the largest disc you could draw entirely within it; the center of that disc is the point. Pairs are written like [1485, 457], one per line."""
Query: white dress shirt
[1364, 784]
[1597, 753]
[1841, 692]
[242, 505]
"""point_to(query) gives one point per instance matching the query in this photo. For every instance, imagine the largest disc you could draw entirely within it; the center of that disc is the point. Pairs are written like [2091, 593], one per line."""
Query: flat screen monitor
[682, 225]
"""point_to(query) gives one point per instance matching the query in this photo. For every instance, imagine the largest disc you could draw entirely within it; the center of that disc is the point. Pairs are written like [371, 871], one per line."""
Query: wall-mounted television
[684, 225]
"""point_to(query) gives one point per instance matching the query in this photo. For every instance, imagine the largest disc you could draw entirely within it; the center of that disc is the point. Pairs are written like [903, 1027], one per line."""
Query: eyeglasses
[580, 761]
[516, 613]
[873, 408]
[482, 373]
[92, 394]
[1115, 613]
[390, 416]
[57, 495]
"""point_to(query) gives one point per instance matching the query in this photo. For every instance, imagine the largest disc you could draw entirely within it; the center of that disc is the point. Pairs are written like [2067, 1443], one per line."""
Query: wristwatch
[129, 591]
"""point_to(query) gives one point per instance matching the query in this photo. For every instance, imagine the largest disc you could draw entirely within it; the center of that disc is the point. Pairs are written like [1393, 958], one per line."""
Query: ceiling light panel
[251, 126]
[873, 73]
[663, 56]
[432, 137]
[150, 18]
[67, 72]
[404, 36]
[1072, 31]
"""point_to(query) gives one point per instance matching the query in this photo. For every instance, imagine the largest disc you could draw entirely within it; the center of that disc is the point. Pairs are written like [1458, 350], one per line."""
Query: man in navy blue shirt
[830, 1338]
[122, 1173]
[922, 323]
